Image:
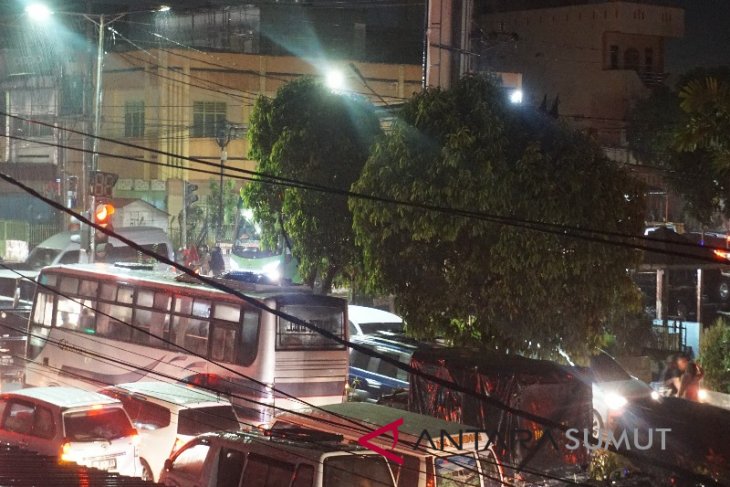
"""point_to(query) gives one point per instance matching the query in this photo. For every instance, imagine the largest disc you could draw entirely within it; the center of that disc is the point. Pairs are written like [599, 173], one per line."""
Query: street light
[335, 80]
[516, 97]
[40, 12]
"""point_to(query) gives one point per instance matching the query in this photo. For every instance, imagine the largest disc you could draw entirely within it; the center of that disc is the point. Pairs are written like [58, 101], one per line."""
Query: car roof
[308, 449]
[171, 393]
[63, 397]
[396, 341]
[363, 314]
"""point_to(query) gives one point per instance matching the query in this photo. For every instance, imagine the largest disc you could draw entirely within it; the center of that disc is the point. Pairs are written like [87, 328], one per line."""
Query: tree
[485, 281]
[309, 133]
[715, 356]
[683, 132]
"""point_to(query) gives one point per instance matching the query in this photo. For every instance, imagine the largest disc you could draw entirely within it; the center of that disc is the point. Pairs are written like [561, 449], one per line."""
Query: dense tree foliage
[715, 356]
[482, 281]
[309, 133]
[684, 132]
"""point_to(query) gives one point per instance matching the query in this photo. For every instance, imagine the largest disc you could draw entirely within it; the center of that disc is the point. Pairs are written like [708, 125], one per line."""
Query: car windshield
[357, 471]
[41, 257]
[97, 424]
[457, 470]
[606, 369]
[371, 328]
[193, 422]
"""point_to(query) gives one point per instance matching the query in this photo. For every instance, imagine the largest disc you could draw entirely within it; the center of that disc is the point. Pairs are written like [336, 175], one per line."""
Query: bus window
[40, 325]
[249, 337]
[125, 295]
[88, 289]
[145, 298]
[117, 327]
[223, 345]
[108, 292]
[201, 308]
[293, 336]
[69, 285]
[191, 334]
[227, 312]
[153, 328]
[67, 313]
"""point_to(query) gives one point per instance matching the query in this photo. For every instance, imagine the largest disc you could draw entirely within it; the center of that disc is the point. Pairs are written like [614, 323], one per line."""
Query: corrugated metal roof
[23, 468]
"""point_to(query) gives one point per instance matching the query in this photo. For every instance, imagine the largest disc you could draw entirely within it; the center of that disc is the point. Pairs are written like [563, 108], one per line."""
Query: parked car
[249, 459]
[168, 415]
[64, 247]
[76, 425]
[365, 321]
[613, 390]
[371, 378]
[467, 460]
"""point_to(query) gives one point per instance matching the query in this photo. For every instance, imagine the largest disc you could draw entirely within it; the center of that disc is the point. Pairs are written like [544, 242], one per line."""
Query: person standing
[217, 264]
[688, 383]
[204, 260]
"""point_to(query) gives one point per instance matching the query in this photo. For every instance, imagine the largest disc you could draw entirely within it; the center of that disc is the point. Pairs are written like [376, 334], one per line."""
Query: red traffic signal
[103, 214]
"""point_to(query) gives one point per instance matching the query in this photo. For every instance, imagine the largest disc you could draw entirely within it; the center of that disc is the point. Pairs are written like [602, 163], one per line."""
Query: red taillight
[64, 454]
[430, 474]
[722, 254]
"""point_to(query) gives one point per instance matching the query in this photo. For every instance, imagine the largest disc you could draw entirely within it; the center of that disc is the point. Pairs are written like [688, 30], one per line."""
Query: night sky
[707, 36]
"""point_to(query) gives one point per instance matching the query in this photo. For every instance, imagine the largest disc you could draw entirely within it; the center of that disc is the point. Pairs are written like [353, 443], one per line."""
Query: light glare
[164, 8]
[516, 97]
[335, 80]
[38, 11]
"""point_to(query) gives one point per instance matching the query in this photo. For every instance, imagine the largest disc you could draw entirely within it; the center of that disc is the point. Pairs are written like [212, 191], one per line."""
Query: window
[134, 119]
[144, 414]
[43, 423]
[649, 59]
[266, 472]
[107, 424]
[230, 467]
[613, 57]
[234, 343]
[189, 462]
[631, 59]
[196, 421]
[355, 470]
[461, 469]
[304, 476]
[208, 118]
[19, 418]
[293, 336]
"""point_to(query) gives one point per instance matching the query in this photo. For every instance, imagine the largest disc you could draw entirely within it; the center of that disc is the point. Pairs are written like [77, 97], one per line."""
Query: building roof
[24, 468]
[64, 397]
[172, 393]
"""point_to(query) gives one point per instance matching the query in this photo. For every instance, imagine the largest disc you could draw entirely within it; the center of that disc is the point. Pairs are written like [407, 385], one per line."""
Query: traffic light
[103, 217]
[190, 196]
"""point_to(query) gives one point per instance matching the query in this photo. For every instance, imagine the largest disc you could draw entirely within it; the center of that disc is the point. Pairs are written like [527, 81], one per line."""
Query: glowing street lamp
[515, 97]
[38, 12]
[335, 80]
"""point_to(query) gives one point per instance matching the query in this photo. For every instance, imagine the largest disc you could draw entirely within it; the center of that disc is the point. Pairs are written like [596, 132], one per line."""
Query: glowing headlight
[702, 395]
[655, 395]
[271, 270]
[615, 401]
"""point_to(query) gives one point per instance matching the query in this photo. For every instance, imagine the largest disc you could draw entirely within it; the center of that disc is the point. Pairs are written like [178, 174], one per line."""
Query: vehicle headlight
[271, 270]
[615, 401]
[655, 395]
[702, 395]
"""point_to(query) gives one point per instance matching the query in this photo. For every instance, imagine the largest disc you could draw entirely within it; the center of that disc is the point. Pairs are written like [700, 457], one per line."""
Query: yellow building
[163, 106]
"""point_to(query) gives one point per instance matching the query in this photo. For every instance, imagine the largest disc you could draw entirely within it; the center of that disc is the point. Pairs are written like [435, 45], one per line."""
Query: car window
[457, 470]
[267, 472]
[230, 467]
[304, 476]
[19, 418]
[97, 424]
[145, 415]
[193, 422]
[190, 460]
[43, 426]
[356, 471]
[359, 359]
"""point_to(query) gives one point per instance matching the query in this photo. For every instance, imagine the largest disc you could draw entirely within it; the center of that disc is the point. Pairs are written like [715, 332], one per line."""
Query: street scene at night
[368, 243]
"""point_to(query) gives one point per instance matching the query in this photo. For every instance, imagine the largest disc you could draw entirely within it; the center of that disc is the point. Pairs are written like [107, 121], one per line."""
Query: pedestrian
[192, 259]
[688, 383]
[670, 374]
[204, 256]
[217, 264]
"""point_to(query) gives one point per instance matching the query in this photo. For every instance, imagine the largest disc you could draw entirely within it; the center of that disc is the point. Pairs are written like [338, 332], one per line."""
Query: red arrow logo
[390, 427]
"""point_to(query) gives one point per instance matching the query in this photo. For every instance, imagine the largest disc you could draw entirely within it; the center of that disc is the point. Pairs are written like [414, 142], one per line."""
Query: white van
[366, 321]
[169, 415]
[72, 424]
[64, 247]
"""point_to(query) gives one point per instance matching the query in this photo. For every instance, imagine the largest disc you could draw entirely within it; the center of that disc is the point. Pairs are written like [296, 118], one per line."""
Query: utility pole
[97, 129]
[225, 135]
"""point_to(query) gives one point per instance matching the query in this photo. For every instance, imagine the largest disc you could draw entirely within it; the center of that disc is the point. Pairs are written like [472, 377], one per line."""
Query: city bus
[94, 325]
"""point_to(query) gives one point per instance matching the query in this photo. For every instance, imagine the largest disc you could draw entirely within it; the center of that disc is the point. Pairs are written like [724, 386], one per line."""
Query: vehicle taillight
[65, 452]
[135, 439]
[722, 254]
[430, 474]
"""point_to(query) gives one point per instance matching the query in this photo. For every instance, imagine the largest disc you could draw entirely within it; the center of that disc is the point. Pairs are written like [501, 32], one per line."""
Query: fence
[33, 233]
[670, 334]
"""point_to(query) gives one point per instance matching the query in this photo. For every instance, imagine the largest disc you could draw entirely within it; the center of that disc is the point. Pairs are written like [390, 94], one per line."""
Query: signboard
[101, 184]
